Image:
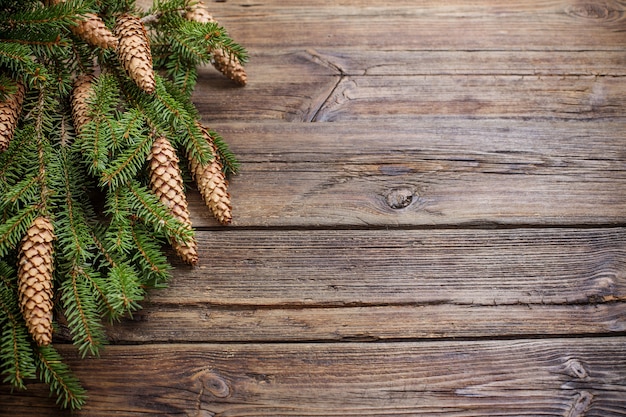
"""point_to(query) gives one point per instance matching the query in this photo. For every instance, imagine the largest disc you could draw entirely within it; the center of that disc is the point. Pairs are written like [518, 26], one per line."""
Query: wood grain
[429, 220]
[426, 172]
[338, 268]
[559, 377]
[430, 25]
[506, 90]
[205, 323]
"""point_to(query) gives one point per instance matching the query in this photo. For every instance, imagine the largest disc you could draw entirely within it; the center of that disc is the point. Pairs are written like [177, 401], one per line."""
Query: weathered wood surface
[557, 377]
[429, 220]
[427, 172]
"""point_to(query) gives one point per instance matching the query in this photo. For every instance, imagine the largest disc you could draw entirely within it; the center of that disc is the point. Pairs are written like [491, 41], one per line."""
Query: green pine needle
[111, 230]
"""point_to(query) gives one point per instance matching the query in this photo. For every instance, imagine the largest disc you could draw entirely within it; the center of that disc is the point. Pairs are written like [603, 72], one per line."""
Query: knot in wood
[581, 403]
[399, 198]
[576, 369]
[605, 11]
[213, 383]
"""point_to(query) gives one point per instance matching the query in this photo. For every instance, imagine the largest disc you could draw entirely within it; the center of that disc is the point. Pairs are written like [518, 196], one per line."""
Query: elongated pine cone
[10, 110]
[197, 12]
[230, 66]
[80, 107]
[133, 50]
[212, 184]
[35, 279]
[93, 30]
[227, 64]
[167, 184]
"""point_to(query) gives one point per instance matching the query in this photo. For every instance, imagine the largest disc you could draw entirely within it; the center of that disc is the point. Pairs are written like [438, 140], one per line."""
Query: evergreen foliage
[80, 161]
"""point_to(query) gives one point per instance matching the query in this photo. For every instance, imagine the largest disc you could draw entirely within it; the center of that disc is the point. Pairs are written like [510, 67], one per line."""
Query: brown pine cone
[212, 183]
[93, 30]
[35, 279]
[224, 62]
[133, 51]
[10, 110]
[198, 12]
[229, 65]
[167, 184]
[80, 107]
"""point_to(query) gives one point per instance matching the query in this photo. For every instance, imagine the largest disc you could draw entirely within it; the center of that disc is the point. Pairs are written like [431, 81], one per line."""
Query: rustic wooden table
[430, 220]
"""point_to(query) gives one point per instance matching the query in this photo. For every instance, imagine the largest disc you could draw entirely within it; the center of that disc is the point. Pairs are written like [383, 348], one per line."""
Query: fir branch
[153, 213]
[15, 161]
[8, 86]
[95, 144]
[132, 124]
[128, 164]
[62, 382]
[18, 58]
[169, 117]
[125, 290]
[15, 348]
[191, 42]
[81, 308]
[156, 269]
[49, 169]
[12, 230]
[182, 75]
[117, 237]
[73, 210]
[21, 194]
[43, 146]
[43, 19]
[226, 157]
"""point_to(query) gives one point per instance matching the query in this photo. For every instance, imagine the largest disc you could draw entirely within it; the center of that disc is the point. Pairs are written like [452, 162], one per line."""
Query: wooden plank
[430, 25]
[426, 172]
[358, 98]
[558, 377]
[351, 268]
[539, 80]
[348, 61]
[288, 88]
[184, 323]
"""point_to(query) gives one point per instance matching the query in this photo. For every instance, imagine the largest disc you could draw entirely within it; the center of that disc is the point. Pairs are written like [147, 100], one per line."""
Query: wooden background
[430, 220]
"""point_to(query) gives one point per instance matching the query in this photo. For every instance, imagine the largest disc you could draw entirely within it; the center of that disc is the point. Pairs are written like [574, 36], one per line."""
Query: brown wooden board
[426, 172]
[558, 377]
[428, 25]
[429, 221]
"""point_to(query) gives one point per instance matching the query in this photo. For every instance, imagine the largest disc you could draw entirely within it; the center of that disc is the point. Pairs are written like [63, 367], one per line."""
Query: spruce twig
[95, 111]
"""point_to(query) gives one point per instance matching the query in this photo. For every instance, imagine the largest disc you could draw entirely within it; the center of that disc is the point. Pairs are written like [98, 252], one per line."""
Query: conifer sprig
[91, 135]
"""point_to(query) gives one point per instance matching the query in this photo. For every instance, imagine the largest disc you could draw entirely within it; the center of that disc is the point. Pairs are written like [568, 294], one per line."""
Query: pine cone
[212, 183]
[35, 280]
[167, 184]
[198, 12]
[133, 51]
[228, 65]
[80, 107]
[10, 110]
[93, 30]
